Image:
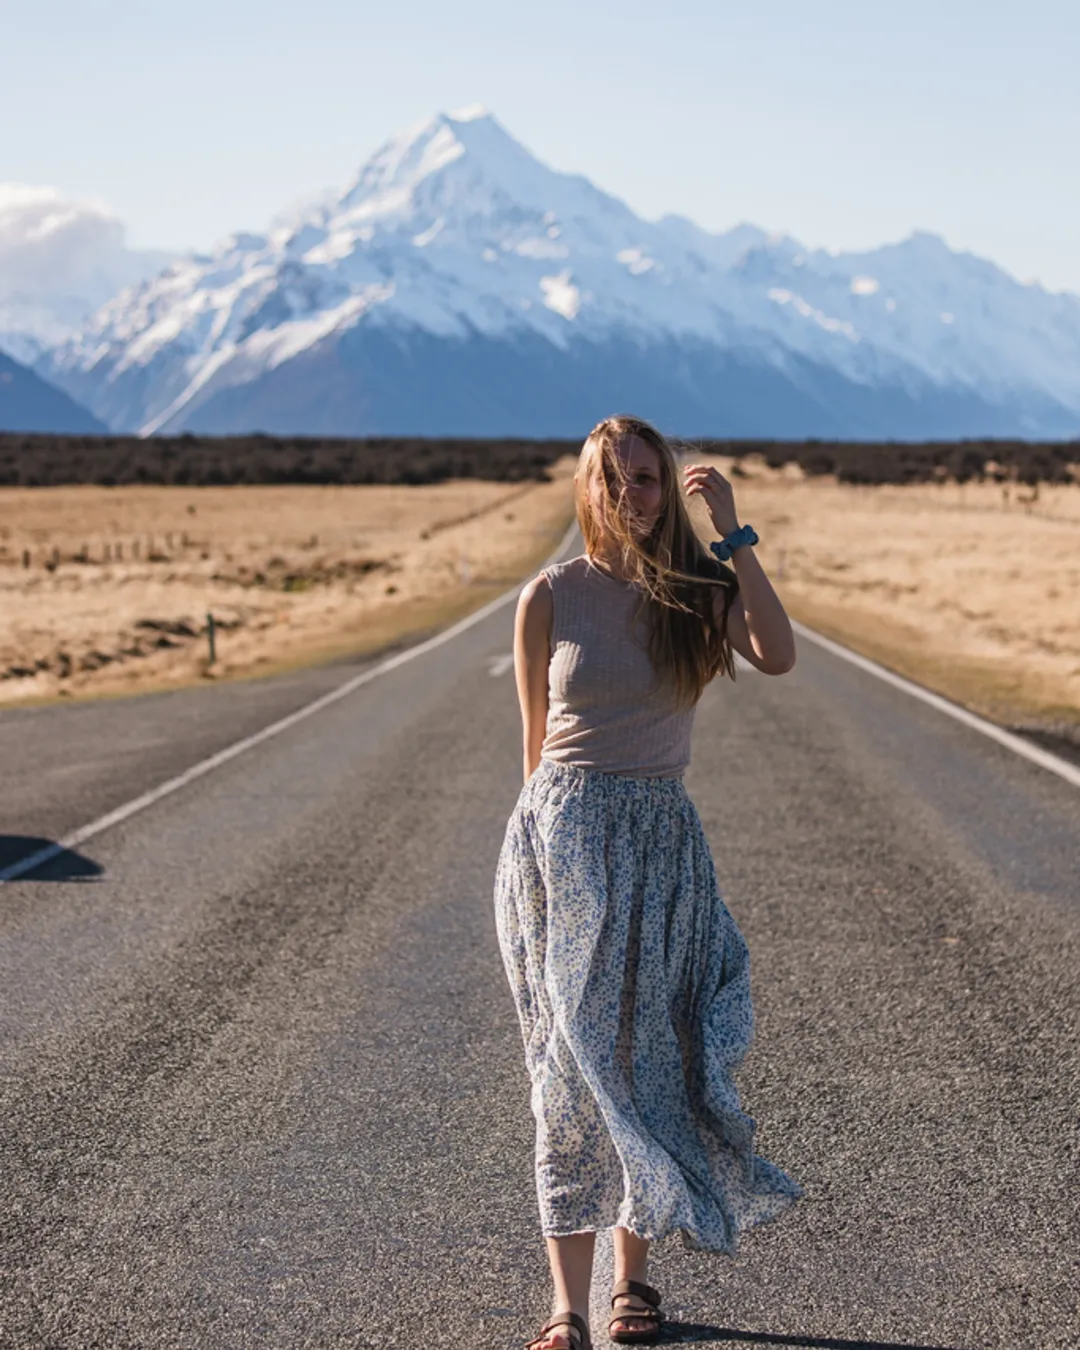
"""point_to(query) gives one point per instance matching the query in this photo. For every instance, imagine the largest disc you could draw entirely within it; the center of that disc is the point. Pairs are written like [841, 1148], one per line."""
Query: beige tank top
[608, 708]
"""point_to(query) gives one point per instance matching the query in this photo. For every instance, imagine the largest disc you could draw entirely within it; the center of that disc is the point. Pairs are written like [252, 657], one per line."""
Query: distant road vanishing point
[262, 1081]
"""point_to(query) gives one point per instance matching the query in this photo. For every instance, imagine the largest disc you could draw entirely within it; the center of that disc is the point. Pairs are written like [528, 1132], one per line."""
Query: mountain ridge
[29, 403]
[453, 239]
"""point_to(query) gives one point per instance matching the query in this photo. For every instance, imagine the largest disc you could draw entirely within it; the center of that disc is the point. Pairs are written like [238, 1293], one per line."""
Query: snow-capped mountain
[60, 260]
[458, 285]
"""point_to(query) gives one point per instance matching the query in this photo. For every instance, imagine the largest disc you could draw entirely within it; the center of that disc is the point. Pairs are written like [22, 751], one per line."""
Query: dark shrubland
[47, 461]
[28, 460]
[1025, 462]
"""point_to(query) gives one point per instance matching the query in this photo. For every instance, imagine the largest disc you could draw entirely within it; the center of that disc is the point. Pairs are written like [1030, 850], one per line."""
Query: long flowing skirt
[631, 981]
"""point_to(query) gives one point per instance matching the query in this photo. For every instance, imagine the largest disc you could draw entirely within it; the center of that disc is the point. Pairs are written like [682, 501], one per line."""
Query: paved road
[261, 1078]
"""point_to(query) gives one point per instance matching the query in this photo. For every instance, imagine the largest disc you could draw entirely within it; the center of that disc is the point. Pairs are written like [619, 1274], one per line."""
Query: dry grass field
[972, 589]
[120, 581]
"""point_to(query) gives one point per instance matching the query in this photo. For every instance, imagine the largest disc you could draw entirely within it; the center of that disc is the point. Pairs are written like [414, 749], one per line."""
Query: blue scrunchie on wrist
[723, 548]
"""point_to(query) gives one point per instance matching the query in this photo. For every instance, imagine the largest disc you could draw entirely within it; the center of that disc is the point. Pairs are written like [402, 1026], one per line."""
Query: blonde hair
[675, 570]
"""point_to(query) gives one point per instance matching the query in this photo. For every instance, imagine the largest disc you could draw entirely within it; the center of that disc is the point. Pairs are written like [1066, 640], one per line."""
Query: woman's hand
[718, 493]
[758, 626]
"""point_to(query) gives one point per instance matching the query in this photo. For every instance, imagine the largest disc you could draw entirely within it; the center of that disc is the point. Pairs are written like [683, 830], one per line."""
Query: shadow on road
[687, 1333]
[56, 863]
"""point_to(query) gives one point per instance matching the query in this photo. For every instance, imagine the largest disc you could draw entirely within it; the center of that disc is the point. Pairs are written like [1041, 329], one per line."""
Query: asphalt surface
[262, 1084]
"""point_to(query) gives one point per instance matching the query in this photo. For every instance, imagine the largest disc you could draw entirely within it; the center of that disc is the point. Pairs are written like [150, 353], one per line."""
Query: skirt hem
[690, 1240]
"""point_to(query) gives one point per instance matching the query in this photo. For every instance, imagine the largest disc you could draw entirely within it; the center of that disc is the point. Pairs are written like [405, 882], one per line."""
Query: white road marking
[1044, 758]
[501, 664]
[1069, 772]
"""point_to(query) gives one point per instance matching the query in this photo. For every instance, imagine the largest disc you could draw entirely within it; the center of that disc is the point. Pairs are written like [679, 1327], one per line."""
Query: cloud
[59, 261]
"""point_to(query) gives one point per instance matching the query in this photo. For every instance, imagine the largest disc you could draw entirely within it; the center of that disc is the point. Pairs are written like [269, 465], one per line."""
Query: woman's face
[644, 489]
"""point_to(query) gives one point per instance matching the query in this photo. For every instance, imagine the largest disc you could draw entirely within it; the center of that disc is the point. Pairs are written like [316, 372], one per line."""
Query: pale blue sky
[846, 122]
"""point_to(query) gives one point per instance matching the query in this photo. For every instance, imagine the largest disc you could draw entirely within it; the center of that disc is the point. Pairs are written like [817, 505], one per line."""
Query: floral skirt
[631, 981]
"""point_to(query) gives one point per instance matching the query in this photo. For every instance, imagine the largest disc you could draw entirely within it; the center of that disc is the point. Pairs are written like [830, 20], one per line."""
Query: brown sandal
[647, 1294]
[565, 1319]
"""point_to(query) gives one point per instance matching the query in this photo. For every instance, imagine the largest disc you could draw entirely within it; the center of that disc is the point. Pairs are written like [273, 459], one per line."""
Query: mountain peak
[390, 179]
[927, 243]
[460, 164]
[472, 112]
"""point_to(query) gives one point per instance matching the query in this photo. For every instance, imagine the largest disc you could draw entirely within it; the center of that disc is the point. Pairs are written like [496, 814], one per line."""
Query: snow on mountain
[59, 261]
[958, 319]
[458, 282]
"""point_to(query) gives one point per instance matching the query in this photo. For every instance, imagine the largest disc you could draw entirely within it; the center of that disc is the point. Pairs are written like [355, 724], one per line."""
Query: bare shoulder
[536, 592]
[535, 604]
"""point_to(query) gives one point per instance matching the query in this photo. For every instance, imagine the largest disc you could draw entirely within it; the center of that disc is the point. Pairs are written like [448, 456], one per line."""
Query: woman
[629, 975]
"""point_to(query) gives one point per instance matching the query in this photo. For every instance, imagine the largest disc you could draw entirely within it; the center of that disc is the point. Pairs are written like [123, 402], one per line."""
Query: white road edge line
[1044, 758]
[79, 836]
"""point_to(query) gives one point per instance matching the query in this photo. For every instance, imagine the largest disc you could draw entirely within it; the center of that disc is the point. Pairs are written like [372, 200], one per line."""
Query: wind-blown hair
[676, 571]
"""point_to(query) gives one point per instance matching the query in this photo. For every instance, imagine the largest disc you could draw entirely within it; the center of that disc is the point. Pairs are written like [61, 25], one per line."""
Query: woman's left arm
[758, 626]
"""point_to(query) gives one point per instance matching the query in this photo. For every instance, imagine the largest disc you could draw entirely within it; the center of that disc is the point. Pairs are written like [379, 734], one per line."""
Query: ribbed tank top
[608, 708]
